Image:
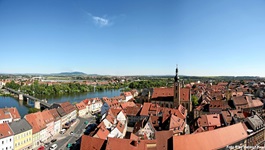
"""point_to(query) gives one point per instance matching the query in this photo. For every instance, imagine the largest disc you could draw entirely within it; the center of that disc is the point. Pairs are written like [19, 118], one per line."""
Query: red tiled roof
[115, 111]
[145, 109]
[127, 94]
[67, 107]
[90, 143]
[162, 92]
[133, 111]
[219, 104]
[215, 139]
[120, 127]
[209, 120]
[102, 132]
[199, 130]
[81, 105]
[32, 120]
[127, 104]
[134, 137]
[176, 124]
[55, 114]
[162, 138]
[240, 100]
[154, 120]
[40, 120]
[184, 94]
[254, 103]
[5, 131]
[128, 144]
[47, 116]
[14, 112]
[4, 113]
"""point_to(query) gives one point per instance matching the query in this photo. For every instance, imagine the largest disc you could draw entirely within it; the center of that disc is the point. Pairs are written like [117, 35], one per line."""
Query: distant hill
[70, 73]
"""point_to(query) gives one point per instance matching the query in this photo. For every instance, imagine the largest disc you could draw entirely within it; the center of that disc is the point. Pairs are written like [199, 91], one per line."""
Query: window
[2, 142]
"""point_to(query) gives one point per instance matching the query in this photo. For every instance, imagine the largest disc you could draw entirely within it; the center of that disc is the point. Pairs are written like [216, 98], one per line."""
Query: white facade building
[6, 138]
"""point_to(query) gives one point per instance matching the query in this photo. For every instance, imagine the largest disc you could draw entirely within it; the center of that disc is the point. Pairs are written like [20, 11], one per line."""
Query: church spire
[176, 89]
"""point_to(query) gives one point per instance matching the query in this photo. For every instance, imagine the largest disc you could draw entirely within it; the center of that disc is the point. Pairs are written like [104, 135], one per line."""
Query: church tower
[176, 102]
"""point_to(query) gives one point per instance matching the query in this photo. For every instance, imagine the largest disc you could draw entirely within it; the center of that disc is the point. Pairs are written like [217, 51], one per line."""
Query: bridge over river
[38, 103]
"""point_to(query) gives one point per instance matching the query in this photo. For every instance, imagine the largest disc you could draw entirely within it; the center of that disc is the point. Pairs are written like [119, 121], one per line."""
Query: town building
[133, 114]
[64, 117]
[6, 137]
[81, 109]
[173, 97]
[255, 129]
[89, 142]
[38, 128]
[67, 112]
[49, 121]
[9, 115]
[128, 96]
[144, 129]
[93, 105]
[57, 120]
[22, 134]
[222, 138]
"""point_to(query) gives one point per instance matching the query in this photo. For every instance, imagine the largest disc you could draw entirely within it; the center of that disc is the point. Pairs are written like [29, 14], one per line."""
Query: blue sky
[140, 37]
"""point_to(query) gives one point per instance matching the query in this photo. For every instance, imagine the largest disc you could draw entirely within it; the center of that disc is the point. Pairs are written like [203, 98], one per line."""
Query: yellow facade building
[22, 134]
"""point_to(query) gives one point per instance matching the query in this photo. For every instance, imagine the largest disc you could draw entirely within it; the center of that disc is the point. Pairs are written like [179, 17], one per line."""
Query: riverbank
[23, 108]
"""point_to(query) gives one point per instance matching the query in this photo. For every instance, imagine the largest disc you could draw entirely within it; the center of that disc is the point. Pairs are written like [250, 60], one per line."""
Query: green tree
[13, 85]
[194, 100]
[33, 110]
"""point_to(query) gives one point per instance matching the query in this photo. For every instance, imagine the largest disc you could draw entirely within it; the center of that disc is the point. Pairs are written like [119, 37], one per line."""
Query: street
[78, 130]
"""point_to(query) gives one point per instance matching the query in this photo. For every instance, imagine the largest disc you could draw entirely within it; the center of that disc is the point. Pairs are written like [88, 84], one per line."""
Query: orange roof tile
[211, 139]
[90, 143]
[115, 111]
[55, 114]
[209, 120]
[133, 111]
[67, 107]
[31, 118]
[4, 113]
[102, 132]
[5, 131]
[80, 106]
[176, 124]
[116, 143]
[184, 94]
[145, 109]
[14, 112]
[127, 104]
[162, 138]
[47, 116]
[162, 92]
[120, 127]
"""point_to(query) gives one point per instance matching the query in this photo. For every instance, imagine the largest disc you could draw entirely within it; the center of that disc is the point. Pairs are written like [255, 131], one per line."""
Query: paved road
[78, 130]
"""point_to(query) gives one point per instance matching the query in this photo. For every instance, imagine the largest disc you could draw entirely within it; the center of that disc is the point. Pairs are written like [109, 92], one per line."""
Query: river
[23, 110]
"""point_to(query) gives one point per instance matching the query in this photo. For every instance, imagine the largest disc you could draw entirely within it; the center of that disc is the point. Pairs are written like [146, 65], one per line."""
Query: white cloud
[100, 21]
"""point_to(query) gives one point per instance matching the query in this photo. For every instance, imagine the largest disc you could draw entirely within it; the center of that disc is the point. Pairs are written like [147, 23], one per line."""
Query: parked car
[62, 131]
[41, 148]
[71, 132]
[53, 147]
[53, 140]
[47, 144]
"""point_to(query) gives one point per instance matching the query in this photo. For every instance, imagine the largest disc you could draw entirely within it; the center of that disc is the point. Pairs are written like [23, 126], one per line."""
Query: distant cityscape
[155, 112]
